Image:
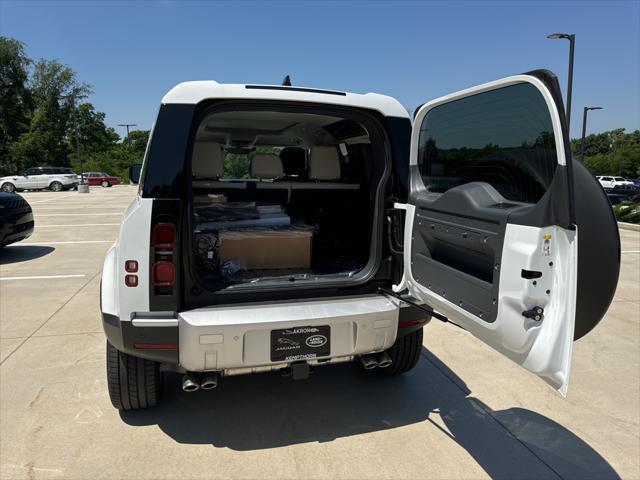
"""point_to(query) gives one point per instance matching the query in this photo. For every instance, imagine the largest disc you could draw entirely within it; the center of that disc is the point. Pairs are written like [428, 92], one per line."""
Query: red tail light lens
[164, 274]
[131, 266]
[131, 280]
[164, 235]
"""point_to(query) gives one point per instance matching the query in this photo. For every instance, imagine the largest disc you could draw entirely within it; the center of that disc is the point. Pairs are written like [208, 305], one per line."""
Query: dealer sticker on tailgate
[300, 343]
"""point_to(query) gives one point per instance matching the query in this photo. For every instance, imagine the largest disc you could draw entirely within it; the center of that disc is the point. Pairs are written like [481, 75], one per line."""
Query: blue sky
[133, 53]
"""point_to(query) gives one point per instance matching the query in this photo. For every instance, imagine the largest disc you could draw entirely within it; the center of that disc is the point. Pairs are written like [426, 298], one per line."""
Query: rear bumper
[239, 337]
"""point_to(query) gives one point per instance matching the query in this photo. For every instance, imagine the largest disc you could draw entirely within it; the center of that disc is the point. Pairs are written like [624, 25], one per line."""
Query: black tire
[405, 354]
[105, 184]
[55, 187]
[133, 382]
[8, 187]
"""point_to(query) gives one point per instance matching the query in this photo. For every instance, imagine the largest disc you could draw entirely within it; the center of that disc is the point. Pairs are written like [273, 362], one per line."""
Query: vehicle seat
[207, 167]
[206, 161]
[266, 166]
[324, 164]
[294, 161]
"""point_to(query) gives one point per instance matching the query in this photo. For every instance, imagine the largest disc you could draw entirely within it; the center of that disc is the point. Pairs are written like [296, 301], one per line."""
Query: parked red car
[101, 178]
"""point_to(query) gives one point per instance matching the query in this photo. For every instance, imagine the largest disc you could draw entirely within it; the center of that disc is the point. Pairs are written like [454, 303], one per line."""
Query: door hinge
[536, 313]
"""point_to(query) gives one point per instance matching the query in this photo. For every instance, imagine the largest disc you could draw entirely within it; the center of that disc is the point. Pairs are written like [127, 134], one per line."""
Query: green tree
[611, 153]
[15, 99]
[93, 134]
[55, 90]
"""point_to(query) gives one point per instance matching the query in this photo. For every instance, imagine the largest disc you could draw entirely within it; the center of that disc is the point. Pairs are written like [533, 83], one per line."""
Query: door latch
[536, 313]
[530, 274]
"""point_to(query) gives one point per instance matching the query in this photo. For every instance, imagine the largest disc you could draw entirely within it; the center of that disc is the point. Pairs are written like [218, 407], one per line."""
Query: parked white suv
[615, 182]
[282, 228]
[39, 178]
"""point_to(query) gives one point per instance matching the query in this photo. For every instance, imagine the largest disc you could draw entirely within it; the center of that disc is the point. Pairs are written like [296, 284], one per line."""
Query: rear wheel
[55, 186]
[405, 354]
[8, 187]
[133, 382]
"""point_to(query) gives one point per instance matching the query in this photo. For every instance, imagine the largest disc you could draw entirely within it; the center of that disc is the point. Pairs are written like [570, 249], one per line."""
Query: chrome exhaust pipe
[369, 362]
[209, 381]
[384, 360]
[190, 383]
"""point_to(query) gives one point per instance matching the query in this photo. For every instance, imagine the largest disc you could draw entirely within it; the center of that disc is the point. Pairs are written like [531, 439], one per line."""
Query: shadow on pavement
[267, 411]
[23, 253]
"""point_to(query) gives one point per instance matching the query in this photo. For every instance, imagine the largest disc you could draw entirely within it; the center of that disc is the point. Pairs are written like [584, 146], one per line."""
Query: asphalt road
[464, 412]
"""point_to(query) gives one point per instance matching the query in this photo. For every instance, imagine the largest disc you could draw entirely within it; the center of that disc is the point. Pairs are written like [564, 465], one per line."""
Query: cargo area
[281, 197]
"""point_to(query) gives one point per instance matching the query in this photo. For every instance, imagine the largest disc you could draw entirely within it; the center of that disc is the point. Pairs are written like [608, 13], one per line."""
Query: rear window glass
[503, 137]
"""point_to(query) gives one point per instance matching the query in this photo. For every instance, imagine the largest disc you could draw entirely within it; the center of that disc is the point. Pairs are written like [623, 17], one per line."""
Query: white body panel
[217, 338]
[132, 244]
[544, 347]
[195, 92]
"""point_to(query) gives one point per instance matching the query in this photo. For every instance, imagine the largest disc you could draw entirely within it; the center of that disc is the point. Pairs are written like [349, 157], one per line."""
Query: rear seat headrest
[324, 163]
[266, 165]
[294, 162]
[206, 161]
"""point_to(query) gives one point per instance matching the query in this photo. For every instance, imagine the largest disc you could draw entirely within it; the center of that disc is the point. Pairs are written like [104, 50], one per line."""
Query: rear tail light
[163, 266]
[412, 323]
[164, 235]
[131, 266]
[164, 274]
[131, 280]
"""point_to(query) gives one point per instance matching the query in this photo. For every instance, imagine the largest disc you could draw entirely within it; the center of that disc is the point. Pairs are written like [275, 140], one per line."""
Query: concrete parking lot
[464, 412]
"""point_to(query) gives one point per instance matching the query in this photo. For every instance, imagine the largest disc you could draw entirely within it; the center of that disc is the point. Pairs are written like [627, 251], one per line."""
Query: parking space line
[79, 225]
[53, 198]
[42, 277]
[60, 207]
[50, 317]
[70, 242]
[76, 214]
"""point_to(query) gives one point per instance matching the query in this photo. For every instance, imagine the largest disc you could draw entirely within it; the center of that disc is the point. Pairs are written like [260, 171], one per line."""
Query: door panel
[42, 180]
[490, 236]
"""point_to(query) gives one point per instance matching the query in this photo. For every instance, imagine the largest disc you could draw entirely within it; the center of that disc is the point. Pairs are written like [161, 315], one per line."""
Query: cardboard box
[258, 249]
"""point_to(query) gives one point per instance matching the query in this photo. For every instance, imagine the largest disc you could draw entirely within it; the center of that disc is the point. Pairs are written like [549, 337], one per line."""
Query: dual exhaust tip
[208, 381]
[192, 382]
[376, 360]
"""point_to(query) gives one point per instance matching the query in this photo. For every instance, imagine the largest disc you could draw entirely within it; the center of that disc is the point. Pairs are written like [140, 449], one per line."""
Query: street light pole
[584, 128]
[127, 125]
[572, 40]
[71, 98]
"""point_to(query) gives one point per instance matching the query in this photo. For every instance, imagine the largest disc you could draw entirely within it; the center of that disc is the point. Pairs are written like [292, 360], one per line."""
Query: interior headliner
[252, 128]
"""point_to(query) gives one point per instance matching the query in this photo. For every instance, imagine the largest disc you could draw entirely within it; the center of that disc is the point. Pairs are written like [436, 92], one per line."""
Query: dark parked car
[615, 199]
[16, 218]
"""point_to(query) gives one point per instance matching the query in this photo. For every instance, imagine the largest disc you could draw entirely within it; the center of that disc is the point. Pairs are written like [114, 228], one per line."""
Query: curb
[629, 226]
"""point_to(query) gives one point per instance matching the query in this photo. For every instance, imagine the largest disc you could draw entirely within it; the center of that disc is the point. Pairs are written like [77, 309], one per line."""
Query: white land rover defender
[280, 228]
